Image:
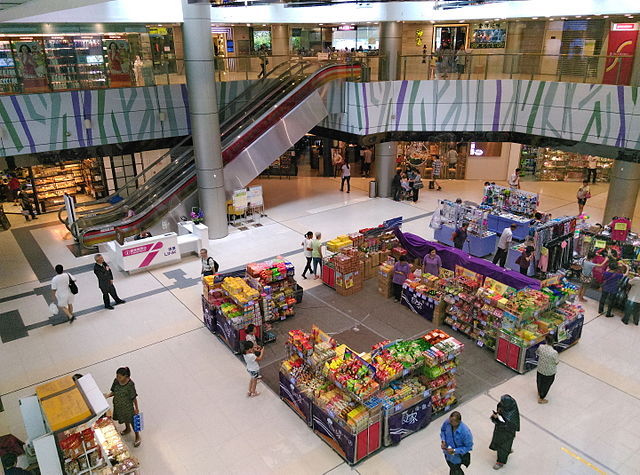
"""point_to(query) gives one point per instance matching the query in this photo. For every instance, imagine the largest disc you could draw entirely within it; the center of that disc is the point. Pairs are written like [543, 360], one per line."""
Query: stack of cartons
[385, 276]
[349, 273]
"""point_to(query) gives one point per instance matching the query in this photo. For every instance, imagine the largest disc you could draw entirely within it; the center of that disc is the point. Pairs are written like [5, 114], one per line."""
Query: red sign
[623, 38]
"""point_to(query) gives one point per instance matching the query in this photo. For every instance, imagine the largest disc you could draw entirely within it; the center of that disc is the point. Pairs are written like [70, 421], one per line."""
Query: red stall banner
[623, 39]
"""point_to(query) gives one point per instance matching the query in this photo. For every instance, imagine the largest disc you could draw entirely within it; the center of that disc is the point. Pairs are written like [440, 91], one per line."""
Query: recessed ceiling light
[578, 16]
[606, 16]
[460, 21]
[551, 19]
[535, 18]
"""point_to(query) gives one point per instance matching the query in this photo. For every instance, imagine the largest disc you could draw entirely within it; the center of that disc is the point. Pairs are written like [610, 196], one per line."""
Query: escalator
[256, 127]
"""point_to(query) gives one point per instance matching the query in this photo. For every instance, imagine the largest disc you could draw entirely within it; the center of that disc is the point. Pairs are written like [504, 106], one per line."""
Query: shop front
[547, 164]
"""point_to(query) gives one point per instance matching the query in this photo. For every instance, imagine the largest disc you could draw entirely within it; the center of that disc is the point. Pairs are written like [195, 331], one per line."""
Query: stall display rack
[61, 63]
[91, 65]
[93, 176]
[8, 76]
[511, 200]
[50, 184]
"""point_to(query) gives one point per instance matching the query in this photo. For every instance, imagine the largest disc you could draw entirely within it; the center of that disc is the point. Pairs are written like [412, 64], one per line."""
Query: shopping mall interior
[501, 134]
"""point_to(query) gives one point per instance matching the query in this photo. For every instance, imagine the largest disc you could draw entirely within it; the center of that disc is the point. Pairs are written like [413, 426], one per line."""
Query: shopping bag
[138, 422]
[53, 308]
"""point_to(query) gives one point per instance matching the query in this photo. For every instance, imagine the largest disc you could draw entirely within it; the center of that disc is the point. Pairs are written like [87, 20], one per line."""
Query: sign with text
[621, 48]
[145, 253]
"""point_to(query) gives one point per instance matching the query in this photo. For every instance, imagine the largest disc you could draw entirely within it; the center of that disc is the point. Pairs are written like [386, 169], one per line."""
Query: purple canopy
[419, 247]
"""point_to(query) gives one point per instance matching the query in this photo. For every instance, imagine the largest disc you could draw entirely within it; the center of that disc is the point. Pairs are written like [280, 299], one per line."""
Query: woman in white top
[346, 176]
[306, 249]
[62, 293]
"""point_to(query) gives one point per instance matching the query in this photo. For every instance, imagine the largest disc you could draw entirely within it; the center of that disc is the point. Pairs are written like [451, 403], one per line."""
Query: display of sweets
[387, 366]
[322, 351]
[239, 290]
[271, 271]
[301, 341]
[337, 244]
[399, 391]
[527, 303]
[352, 374]
[410, 353]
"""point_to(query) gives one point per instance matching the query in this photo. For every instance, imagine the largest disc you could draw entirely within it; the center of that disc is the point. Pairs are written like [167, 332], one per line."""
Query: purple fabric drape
[418, 247]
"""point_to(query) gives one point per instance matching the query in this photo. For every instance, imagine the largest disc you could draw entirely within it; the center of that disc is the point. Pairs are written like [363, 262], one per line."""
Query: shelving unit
[61, 63]
[92, 175]
[50, 183]
[8, 78]
[91, 67]
[557, 165]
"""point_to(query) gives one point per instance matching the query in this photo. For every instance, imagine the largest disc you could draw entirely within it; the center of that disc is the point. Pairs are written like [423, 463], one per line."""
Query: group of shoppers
[312, 249]
[406, 185]
[456, 439]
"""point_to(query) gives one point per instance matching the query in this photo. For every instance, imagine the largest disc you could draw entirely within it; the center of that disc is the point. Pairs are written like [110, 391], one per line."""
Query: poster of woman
[29, 57]
[118, 61]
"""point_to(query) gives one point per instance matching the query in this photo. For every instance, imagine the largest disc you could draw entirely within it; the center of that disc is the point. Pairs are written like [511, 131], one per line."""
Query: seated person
[142, 235]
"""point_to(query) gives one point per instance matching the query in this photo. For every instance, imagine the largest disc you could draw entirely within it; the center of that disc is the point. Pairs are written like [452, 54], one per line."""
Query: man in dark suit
[105, 281]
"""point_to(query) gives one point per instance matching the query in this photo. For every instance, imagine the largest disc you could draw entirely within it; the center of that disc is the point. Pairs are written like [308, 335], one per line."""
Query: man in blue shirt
[610, 284]
[456, 442]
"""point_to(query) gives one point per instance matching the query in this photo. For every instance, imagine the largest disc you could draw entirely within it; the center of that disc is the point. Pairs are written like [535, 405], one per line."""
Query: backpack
[216, 266]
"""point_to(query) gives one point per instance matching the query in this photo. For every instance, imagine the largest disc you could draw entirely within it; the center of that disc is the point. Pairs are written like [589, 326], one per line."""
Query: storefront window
[356, 37]
[261, 40]
[162, 50]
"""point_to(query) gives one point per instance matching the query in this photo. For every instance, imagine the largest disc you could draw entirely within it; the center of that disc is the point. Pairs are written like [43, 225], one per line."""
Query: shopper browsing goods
[586, 275]
[252, 354]
[437, 171]
[64, 289]
[125, 401]
[583, 194]
[547, 367]
[209, 264]
[525, 259]
[632, 305]
[105, 282]
[456, 442]
[250, 335]
[306, 249]
[459, 236]
[506, 420]
[503, 245]
[316, 254]
[610, 285]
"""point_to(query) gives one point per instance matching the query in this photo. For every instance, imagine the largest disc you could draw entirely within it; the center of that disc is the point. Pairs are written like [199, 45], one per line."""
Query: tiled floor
[192, 389]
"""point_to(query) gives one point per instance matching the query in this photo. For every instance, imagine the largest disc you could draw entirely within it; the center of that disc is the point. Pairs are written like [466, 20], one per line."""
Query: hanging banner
[621, 48]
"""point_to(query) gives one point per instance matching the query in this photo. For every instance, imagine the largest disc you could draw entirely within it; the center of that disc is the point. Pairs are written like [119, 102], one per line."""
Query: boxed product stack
[339, 243]
[244, 307]
[385, 276]
[422, 294]
[348, 272]
[440, 368]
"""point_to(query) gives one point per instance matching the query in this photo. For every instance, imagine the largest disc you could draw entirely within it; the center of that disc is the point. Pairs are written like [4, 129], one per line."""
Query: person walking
[14, 187]
[307, 250]
[316, 254]
[125, 401]
[62, 285]
[437, 171]
[503, 245]
[431, 263]
[105, 282]
[610, 283]
[346, 176]
[583, 194]
[25, 204]
[209, 264]
[401, 270]
[632, 305]
[452, 158]
[367, 159]
[506, 420]
[417, 186]
[396, 185]
[456, 442]
[459, 236]
[514, 179]
[547, 367]
[592, 169]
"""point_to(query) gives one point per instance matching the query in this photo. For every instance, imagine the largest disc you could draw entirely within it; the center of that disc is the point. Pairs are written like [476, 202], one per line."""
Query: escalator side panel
[261, 153]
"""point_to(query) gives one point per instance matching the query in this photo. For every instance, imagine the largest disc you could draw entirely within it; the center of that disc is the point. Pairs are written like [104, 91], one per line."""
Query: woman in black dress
[506, 420]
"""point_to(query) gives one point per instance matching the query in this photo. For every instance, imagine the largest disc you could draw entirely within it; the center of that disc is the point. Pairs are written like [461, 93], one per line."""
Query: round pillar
[385, 166]
[280, 43]
[391, 46]
[203, 110]
[623, 190]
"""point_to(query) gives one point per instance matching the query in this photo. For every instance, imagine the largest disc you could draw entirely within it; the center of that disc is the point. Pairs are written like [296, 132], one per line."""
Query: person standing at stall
[456, 442]
[459, 236]
[506, 420]
[431, 263]
[547, 366]
[632, 305]
[316, 254]
[396, 185]
[525, 259]
[25, 204]
[503, 245]
[401, 270]
[514, 179]
[125, 401]
[586, 274]
[452, 158]
[14, 187]
[209, 264]
[610, 284]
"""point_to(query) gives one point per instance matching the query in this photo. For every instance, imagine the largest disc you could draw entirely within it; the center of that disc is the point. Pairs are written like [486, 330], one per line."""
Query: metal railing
[594, 69]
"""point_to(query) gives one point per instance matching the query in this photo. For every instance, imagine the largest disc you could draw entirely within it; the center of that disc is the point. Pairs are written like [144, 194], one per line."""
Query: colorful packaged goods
[352, 374]
[301, 341]
[239, 290]
[337, 244]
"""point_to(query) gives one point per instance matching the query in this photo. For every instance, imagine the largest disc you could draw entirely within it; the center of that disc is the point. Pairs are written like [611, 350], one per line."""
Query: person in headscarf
[506, 420]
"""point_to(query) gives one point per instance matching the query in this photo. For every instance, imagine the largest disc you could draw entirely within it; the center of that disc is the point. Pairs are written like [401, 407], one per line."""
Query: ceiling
[4, 4]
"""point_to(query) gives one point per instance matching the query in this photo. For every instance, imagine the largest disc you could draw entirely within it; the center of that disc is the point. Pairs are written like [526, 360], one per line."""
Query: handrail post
[486, 65]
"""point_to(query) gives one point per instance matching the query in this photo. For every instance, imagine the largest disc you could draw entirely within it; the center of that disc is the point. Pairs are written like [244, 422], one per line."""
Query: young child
[125, 401]
[251, 336]
[251, 357]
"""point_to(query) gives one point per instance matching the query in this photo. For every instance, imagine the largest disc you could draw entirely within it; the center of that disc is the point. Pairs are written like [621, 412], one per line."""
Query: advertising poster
[488, 38]
[621, 48]
[116, 52]
[31, 66]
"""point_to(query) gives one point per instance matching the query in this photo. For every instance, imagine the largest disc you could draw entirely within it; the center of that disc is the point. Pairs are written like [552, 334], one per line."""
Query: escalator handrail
[167, 195]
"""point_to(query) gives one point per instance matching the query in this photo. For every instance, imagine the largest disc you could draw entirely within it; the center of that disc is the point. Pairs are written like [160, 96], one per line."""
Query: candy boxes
[352, 374]
[239, 290]
[301, 341]
[336, 244]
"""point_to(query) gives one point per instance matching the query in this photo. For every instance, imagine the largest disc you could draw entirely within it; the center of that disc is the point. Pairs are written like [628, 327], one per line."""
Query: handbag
[73, 287]
[418, 185]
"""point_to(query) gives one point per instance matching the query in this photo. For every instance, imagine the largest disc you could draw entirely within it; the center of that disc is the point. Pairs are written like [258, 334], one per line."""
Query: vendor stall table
[475, 245]
[523, 358]
[498, 223]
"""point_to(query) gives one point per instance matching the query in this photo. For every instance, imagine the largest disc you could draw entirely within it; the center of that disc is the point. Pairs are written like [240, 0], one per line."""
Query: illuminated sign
[476, 152]
[624, 26]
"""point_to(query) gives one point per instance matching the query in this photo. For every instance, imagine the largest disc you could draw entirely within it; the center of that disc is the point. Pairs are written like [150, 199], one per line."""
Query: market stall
[547, 164]
[358, 402]
[510, 206]
[261, 295]
[70, 433]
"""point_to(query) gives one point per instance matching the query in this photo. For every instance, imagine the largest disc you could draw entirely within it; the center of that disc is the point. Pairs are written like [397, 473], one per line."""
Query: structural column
[203, 109]
[391, 47]
[280, 43]
[623, 190]
[385, 166]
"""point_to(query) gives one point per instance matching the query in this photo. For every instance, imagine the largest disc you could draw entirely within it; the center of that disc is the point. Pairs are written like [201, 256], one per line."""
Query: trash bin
[373, 189]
